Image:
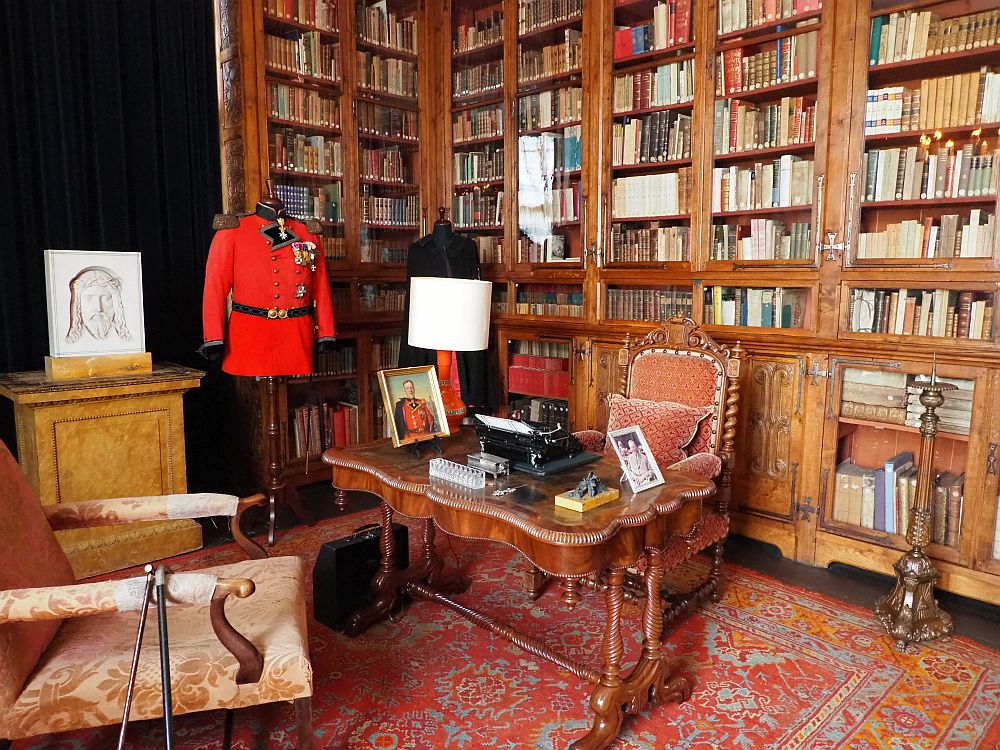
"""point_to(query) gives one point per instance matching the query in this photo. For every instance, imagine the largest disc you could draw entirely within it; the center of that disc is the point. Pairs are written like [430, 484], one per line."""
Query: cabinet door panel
[770, 429]
[604, 381]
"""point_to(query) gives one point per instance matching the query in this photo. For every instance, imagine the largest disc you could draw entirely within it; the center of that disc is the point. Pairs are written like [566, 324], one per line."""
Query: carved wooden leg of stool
[570, 591]
[340, 499]
[303, 718]
[715, 574]
[533, 581]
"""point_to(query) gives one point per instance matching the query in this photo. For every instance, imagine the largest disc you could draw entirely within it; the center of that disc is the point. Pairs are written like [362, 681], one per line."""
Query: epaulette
[313, 226]
[225, 221]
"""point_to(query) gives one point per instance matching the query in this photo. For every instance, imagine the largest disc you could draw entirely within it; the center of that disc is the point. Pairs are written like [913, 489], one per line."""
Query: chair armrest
[592, 440]
[84, 599]
[90, 513]
[706, 465]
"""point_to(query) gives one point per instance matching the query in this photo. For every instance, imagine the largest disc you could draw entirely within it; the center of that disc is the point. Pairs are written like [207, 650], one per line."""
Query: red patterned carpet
[774, 667]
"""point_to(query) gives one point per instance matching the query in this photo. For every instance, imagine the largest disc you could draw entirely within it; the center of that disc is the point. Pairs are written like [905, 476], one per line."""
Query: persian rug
[774, 667]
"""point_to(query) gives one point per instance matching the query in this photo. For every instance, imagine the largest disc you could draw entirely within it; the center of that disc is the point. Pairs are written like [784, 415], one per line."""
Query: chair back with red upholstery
[30, 557]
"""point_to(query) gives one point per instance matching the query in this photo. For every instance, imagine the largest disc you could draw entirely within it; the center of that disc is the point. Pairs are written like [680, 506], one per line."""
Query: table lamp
[449, 315]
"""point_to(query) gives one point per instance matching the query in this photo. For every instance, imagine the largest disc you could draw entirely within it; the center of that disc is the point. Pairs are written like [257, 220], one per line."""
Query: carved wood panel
[229, 23]
[235, 171]
[232, 94]
[605, 368]
[767, 447]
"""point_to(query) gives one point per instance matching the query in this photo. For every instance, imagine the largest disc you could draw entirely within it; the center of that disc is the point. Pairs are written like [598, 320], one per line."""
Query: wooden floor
[972, 618]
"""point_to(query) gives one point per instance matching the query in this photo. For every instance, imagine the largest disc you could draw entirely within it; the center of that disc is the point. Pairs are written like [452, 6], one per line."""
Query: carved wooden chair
[682, 388]
[66, 647]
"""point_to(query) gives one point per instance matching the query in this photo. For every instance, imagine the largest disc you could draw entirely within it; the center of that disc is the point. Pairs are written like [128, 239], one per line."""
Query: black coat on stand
[460, 260]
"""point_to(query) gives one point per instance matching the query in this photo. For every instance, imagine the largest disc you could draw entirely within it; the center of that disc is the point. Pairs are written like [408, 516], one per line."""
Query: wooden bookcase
[611, 174]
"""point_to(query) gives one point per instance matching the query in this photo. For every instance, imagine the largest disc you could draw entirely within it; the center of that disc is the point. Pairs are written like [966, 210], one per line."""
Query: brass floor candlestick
[910, 613]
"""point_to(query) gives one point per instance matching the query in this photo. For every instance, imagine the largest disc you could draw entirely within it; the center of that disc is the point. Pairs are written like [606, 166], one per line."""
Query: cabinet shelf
[637, 219]
[649, 110]
[478, 141]
[753, 154]
[914, 135]
[271, 20]
[924, 67]
[384, 138]
[385, 98]
[307, 175]
[650, 166]
[549, 128]
[901, 428]
[328, 85]
[478, 99]
[478, 184]
[924, 203]
[805, 207]
[543, 31]
[768, 27]
[378, 49]
[791, 88]
[311, 127]
[676, 53]
[554, 81]
[485, 50]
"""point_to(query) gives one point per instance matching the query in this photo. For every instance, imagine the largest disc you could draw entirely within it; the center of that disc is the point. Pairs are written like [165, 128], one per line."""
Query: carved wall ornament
[769, 419]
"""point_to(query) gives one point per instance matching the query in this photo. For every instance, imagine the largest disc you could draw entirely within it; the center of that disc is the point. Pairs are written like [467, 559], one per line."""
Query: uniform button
[274, 257]
[274, 270]
[299, 271]
[277, 296]
[276, 283]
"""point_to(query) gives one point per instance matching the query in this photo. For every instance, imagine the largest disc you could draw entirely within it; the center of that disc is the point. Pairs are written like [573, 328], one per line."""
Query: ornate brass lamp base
[910, 613]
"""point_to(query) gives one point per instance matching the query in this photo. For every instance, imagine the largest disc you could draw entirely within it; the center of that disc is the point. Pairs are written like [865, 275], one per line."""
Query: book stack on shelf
[385, 297]
[669, 25]
[386, 114]
[533, 375]
[762, 239]
[648, 304]
[955, 414]
[756, 307]
[343, 361]
[911, 35]
[561, 300]
[736, 15]
[656, 242]
[317, 427]
[385, 352]
[922, 312]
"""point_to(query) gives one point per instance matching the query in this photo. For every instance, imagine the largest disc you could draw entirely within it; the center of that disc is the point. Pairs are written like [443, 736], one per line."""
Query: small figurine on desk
[589, 493]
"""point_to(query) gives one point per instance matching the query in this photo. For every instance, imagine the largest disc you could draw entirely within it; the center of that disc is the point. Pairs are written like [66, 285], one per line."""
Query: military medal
[281, 229]
[300, 291]
[305, 254]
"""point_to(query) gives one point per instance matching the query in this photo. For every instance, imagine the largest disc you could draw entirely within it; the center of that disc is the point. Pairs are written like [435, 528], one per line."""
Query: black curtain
[109, 141]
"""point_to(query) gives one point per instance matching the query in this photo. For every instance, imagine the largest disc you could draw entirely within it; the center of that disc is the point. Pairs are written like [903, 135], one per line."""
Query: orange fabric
[23, 527]
[81, 679]
[706, 465]
[667, 426]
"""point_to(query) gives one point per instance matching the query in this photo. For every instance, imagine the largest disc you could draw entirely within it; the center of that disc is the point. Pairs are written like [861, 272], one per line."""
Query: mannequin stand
[276, 486]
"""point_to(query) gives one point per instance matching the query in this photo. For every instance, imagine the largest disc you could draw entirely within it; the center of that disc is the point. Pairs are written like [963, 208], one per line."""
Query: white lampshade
[449, 314]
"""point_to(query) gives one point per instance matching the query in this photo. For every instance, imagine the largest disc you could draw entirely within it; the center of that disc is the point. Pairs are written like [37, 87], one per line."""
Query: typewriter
[532, 448]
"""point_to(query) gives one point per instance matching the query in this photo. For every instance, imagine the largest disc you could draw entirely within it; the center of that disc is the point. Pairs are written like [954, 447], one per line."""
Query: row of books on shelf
[913, 172]
[302, 202]
[552, 59]
[659, 136]
[382, 253]
[746, 126]
[377, 119]
[478, 166]
[489, 248]
[942, 102]
[945, 236]
[550, 249]
[387, 75]
[663, 194]
[386, 164]
[539, 362]
[538, 381]
[911, 35]
[545, 411]
[477, 209]
[882, 499]
[315, 154]
[399, 212]
[563, 300]
[757, 307]
[549, 108]
[340, 297]
[378, 25]
[304, 53]
[499, 301]
[762, 239]
[554, 349]
[477, 27]
[318, 427]
[647, 244]
[334, 247]
[319, 13]
[537, 14]
[341, 361]
[922, 312]
[741, 14]
[670, 25]
[481, 122]
[793, 58]
[560, 203]
[784, 182]
[648, 304]
[552, 152]
[477, 79]
[306, 106]
[385, 352]
[664, 85]
[381, 297]
[894, 398]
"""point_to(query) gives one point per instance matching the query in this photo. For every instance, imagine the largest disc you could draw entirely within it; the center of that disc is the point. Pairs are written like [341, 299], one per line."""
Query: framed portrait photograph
[94, 301]
[639, 466]
[413, 407]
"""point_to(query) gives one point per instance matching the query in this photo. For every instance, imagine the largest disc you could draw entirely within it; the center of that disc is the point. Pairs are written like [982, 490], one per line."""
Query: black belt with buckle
[272, 313]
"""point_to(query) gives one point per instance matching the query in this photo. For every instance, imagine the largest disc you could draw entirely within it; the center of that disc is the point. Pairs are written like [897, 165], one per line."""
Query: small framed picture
[94, 302]
[636, 458]
[412, 400]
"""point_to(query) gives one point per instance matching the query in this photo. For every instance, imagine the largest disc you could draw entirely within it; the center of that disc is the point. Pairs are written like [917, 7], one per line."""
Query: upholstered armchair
[682, 388]
[237, 632]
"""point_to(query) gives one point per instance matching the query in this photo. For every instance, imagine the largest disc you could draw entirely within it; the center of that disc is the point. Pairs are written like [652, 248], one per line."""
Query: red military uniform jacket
[243, 261]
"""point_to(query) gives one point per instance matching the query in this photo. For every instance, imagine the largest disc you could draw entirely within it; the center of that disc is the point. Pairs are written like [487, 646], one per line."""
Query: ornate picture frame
[94, 302]
[639, 467]
[412, 416]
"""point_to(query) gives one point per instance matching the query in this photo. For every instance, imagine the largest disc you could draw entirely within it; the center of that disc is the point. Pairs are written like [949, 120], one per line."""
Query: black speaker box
[344, 571]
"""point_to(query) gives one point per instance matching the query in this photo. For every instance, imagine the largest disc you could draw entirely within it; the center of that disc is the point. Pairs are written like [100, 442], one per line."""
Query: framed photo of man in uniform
[413, 406]
[638, 465]
[94, 302]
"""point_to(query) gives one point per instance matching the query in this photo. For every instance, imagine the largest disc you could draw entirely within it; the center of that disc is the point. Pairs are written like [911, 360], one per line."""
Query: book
[894, 464]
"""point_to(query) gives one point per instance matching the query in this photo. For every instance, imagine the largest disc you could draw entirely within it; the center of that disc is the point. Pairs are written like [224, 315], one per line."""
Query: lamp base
[910, 613]
[454, 407]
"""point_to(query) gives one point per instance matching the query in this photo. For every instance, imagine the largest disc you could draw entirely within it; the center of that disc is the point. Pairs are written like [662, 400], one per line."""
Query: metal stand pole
[135, 654]
[161, 612]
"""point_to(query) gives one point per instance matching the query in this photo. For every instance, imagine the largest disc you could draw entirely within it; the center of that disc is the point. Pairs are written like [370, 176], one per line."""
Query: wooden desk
[105, 437]
[561, 542]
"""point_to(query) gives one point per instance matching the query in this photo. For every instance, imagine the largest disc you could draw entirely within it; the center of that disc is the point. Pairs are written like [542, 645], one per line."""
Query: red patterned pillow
[668, 427]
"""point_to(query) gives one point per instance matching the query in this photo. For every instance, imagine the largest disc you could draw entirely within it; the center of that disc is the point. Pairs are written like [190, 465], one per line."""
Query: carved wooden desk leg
[533, 581]
[606, 699]
[649, 674]
[435, 574]
[386, 585]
